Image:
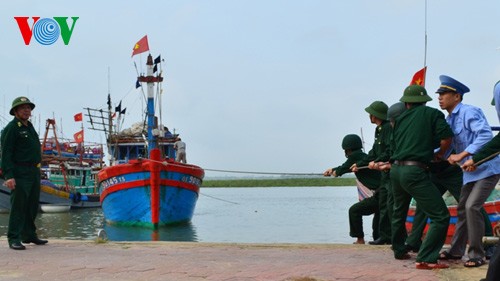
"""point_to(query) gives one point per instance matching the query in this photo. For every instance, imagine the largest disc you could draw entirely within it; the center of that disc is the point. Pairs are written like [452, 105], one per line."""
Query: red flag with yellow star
[78, 136]
[141, 46]
[419, 77]
[78, 117]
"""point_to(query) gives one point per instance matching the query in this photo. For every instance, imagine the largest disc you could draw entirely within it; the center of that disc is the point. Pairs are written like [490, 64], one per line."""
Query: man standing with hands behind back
[21, 157]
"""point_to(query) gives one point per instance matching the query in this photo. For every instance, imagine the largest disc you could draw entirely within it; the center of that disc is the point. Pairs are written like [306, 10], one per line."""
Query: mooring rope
[264, 173]
[213, 197]
[240, 172]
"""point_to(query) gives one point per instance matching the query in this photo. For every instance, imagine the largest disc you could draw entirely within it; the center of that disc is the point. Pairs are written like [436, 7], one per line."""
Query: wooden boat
[144, 185]
[71, 167]
[68, 176]
[48, 195]
[492, 207]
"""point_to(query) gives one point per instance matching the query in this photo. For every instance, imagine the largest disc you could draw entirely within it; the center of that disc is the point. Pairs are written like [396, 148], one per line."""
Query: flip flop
[426, 265]
[474, 262]
[447, 256]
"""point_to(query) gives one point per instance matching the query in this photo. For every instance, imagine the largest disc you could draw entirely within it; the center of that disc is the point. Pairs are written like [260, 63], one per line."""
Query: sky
[259, 86]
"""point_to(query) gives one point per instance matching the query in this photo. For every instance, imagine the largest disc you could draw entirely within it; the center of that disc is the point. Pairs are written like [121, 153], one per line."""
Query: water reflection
[259, 215]
[84, 224]
[183, 232]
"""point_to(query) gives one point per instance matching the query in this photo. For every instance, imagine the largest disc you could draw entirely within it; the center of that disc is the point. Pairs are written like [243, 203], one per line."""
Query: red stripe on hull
[143, 165]
[141, 183]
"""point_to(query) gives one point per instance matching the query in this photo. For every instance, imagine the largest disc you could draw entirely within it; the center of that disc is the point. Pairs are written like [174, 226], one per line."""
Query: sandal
[447, 256]
[474, 262]
[426, 265]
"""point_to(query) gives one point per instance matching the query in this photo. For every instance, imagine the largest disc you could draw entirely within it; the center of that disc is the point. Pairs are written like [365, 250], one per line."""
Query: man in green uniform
[21, 156]
[414, 135]
[366, 178]
[380, 153]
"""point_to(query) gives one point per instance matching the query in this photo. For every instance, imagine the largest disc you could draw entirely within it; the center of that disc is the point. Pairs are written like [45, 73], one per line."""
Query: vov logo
[46, 31]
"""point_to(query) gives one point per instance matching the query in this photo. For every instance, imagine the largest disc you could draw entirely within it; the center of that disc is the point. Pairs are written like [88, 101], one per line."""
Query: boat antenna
[110, 117]
[425, 34]
[425, 40]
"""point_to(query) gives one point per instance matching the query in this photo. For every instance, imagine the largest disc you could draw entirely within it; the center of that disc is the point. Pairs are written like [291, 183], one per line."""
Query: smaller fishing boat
[69, 167]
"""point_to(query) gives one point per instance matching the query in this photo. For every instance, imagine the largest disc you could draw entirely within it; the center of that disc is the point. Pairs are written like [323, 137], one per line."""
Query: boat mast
[110, 117]
[150, 80]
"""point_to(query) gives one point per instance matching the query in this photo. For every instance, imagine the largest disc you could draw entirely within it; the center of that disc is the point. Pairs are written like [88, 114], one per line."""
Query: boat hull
[126, 193]
[48, 195]
[492, 207]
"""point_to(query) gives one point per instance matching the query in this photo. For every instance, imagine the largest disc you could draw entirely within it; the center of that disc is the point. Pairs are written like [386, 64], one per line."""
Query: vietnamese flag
[78, 117]
[78, 136]
[141, 46]
[419, 77]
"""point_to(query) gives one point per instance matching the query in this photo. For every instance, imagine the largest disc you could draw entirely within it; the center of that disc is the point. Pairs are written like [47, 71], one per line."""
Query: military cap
[496, 91]
[352, 142]
[20, 101]
[449, 84]
[415, 94]
[378, 109]
[395, 110]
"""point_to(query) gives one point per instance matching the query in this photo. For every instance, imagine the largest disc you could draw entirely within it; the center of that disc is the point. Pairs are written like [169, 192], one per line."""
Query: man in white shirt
[180, 147]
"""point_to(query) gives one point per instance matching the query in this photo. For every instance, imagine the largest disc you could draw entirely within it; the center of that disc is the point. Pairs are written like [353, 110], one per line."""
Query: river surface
[236, 215]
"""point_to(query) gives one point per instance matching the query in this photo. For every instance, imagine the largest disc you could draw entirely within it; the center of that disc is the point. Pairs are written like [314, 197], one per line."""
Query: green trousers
[413, 181]
[24, 201]
[449, 178]
[385, 203]
[362, 208]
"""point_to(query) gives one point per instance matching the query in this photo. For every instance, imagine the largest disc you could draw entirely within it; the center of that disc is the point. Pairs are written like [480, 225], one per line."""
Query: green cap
[20, 101]
[415, 94]
[495, 89]
[378, 109]
[352, 142]
[395, 110]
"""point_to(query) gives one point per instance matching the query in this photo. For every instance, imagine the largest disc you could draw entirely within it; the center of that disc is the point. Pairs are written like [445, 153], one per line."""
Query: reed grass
[280, 182]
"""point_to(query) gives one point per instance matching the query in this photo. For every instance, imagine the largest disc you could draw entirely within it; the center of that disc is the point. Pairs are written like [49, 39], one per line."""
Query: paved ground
[88, 260]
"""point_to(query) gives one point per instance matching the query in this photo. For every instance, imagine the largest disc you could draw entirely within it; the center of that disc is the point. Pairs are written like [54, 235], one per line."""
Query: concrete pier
[193, 261]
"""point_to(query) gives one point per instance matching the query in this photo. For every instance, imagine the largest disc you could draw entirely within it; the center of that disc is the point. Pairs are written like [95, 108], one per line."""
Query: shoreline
[279, 182]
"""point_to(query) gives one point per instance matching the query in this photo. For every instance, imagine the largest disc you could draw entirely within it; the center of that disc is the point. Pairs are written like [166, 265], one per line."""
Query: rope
[264, 173]
[241, 172]
[487, 159]
[213, 197]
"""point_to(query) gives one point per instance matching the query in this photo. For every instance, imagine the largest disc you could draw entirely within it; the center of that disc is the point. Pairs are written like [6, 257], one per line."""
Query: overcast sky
[261, 85]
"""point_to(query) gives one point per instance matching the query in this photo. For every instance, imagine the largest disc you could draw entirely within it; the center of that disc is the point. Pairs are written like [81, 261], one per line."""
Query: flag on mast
[78, 136]
[141, 46]
[419, 77]
[78, 117]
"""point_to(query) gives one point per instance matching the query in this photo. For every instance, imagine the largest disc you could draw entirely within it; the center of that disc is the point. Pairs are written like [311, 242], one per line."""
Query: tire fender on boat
[77, 197]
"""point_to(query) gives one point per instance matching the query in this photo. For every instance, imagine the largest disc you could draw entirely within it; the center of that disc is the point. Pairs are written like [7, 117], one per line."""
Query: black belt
[27, 164]
[412, 163]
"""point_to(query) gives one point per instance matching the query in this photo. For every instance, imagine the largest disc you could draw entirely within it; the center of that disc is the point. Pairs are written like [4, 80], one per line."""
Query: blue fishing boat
[144, 185]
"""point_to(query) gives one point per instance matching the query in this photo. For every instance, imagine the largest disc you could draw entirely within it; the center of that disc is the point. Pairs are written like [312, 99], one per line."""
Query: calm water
[243, 215]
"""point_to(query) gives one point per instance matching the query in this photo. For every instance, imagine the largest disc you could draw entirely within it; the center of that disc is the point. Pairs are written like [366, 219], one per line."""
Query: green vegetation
[280, 182]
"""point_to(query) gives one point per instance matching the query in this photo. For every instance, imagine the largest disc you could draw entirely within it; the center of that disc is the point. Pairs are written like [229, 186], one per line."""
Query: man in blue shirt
[472, 131]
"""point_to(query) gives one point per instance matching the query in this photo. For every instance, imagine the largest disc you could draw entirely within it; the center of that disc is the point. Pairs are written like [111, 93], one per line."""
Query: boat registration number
[112, 181]
[191, 180]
